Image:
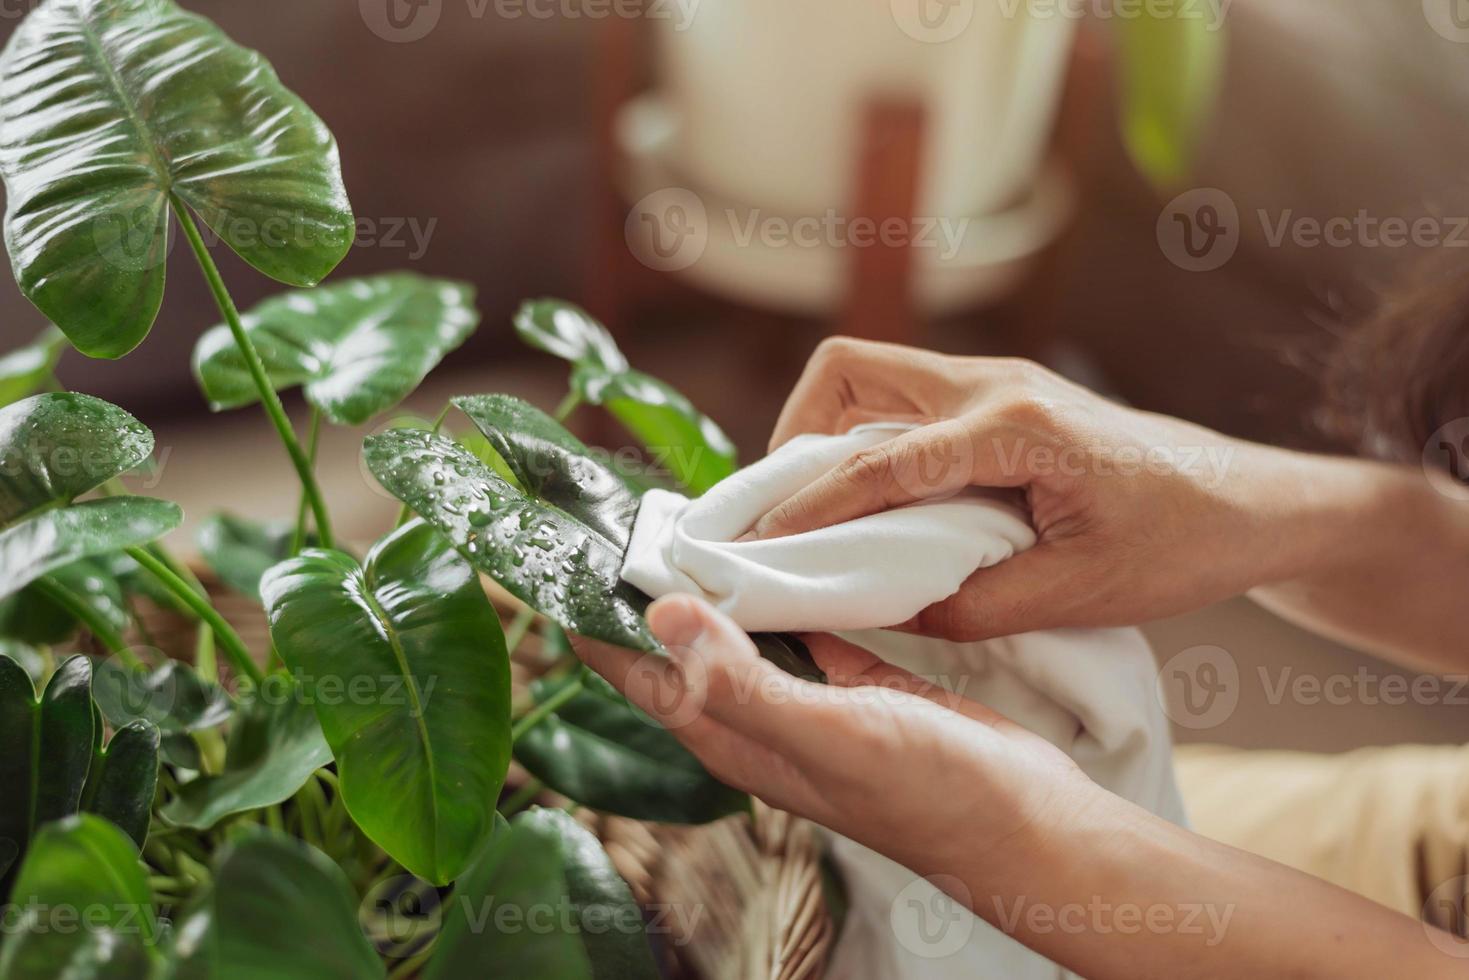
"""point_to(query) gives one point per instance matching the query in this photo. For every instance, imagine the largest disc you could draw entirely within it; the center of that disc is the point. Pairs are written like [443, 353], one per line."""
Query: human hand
[831, 753]
[1138, 516]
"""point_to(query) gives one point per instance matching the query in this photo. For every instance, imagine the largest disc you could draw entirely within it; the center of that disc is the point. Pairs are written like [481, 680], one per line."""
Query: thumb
[1025, 594]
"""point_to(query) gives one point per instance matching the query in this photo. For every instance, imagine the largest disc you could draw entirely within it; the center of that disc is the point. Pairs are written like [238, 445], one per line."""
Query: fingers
[845, 383]
[1030, 592]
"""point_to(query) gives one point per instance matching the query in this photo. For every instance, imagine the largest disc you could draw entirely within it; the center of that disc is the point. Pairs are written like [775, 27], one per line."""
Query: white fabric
[1089, 692]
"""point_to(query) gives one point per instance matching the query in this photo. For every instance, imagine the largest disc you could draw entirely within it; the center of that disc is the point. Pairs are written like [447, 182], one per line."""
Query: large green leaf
[123, 778]
[609, 921]
[275, 745]
[677, 435]
[602, 752]
[109, 107]
[45, 747]
[59, 445]
[277, 908]
[240, 551]
[55, 538]
[27, 369]
[1172, 67]
[84, 909]
[543, 555]
[505, 922]
[423, 749]
[359, 346]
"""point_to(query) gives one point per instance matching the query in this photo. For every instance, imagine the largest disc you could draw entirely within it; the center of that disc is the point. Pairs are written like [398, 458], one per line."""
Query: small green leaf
[505, 922]
[123, 778]
[359, 346]
[33, 617]
[27, 369]
[609, 921]
[1172, 68]
[173, 698]
[422, 753]
[600, 751]
[55, 538]
[277, 908]
[569, 332]
[110, 107]
[543, 555]
[84, 867]
[240, 551]
[275, 744]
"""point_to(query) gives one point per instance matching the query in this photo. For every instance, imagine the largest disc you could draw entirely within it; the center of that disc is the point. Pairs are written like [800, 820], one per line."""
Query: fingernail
[676, 622]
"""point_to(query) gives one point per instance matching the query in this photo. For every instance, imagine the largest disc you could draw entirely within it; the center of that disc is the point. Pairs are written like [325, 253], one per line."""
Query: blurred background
[694, 171]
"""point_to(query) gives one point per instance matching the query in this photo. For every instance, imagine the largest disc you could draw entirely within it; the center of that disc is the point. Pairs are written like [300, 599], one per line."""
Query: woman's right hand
[1138, 516]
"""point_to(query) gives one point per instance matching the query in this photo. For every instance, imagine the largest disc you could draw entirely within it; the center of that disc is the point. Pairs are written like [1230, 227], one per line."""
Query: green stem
[298, 540]
[521, 798]
[268, 397]
[411, 966]
[93, 620]
[518, 627]
[546, 708]
[568, 405]
[404, 513]
[234, 647]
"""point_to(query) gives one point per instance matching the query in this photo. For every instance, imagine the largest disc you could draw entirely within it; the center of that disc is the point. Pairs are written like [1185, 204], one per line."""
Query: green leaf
[1172, 68]
[553, 465]
[59, 445]
[602, 752]
[173, 698]
[675, 433]
[610, 922]
[27, 369]
[55, 538]
[569, 332]
[359, 346]
[33, 617]
[275, 745]
[108, 107]
[506, 920]
[45, 747]
[88, 869]
[240, 551]
[28, 657]
[277, 908]
[123, 778]
[423, 755]
[543, 555]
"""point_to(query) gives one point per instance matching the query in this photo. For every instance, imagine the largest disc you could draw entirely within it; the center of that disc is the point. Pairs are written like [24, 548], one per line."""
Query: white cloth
[1089, 692]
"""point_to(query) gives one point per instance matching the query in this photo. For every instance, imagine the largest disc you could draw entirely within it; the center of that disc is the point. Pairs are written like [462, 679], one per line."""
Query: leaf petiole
[234, 647]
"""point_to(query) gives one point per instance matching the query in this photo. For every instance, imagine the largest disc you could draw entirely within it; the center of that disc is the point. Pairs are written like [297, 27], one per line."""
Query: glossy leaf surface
[108, 107]
[422, 750]
[123, 778]
[359, 346]
[55, 538]
[59, 445]
[26, 370]
[240, 551]
[569, 332]
[171, 697]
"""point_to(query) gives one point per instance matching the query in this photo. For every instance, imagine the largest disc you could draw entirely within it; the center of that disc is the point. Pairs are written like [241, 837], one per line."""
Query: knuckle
[1030, 411]
[838, 349]
[868, 471]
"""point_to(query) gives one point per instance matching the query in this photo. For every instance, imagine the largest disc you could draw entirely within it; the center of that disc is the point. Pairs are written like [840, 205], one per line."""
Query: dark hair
[1404, 373]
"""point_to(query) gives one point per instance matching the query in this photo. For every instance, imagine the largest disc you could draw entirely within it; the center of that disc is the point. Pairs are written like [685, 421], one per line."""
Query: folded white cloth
[1089, 692]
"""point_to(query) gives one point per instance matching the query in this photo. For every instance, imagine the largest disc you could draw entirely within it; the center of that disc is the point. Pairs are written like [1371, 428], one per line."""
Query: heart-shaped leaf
[359, 346]
[45, 747]
[599, 750]
[240, 551]
[56, 538]
[57, 446]
[123, 778]
[32, 616]
[111, 109]
[420, 722]
[88, 866]
[26, 369]
[277, 908]
[609, 921]
[503, 923]
[543, 555]
[275, 744]
[172, 697]
[569, 332]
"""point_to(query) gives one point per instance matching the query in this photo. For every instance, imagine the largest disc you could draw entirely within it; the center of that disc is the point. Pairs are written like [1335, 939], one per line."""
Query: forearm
[1124, 894]
[1367, 553]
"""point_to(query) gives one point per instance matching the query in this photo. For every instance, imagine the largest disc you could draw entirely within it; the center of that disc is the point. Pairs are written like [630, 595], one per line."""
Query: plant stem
[521, 798]
[268, 397]
[518, 627]
[93, 620]
[547, 707]
[568, 405]
[234, 647]
[412, 965]
[298, 540]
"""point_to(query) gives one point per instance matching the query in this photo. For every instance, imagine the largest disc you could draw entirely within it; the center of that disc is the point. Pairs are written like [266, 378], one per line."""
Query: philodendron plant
[262, 811]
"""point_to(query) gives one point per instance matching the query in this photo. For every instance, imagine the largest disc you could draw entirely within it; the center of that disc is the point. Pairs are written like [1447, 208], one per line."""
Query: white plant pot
[769, 96]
